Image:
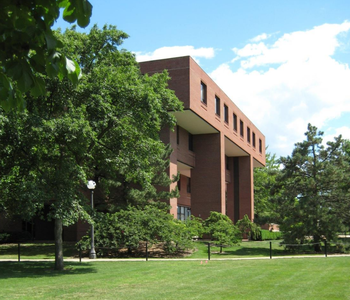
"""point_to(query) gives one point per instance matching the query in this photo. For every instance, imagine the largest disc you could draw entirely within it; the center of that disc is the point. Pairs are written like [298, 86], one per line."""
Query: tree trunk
[58, 245]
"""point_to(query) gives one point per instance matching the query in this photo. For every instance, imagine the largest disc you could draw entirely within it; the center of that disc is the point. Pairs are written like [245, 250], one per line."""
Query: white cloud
[292, 82]
[260, 37]
[176, 51]
[321, 41]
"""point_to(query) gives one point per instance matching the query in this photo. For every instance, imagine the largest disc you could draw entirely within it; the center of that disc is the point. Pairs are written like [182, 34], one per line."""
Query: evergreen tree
[312, 189]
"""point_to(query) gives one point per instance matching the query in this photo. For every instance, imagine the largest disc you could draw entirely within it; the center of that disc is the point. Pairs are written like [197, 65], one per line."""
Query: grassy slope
[311, 278]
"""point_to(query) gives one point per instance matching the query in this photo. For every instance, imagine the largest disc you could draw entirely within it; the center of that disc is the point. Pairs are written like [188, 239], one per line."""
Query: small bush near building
[15, 237]
[133, 226]
[4, 237]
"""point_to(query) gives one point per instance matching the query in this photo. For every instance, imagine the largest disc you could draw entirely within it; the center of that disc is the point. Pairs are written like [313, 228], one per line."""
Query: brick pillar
[208, 176]
[246, 187]
[230, 190]
[169, 137]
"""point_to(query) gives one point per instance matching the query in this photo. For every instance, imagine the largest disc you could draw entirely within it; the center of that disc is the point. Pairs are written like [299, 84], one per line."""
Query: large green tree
[105, 129]
[264, 179]
[312, 190]
[29, 48]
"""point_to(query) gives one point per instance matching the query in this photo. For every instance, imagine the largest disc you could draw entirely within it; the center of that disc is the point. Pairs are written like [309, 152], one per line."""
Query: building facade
[215, 146]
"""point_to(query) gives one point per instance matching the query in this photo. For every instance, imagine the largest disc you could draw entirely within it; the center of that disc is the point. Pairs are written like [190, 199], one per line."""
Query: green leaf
[69, 13]
[73, 70]
[39, 87]
[51, 40]
[84, 10]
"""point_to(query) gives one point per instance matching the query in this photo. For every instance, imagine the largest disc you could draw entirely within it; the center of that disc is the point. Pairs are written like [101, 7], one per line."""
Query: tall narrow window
[241, 128]
[190, 142]
[260, 145]
[254, 139]
[217, 105]
[248, 135]
[178, 135]
[226, 113]
[179, 183]
[235, 122]
[203, 93]
[188, 185]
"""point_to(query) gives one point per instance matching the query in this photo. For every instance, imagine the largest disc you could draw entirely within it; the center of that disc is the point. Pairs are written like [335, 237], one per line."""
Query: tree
[312, 189]
[28, 47]
[264, 179]
[105, 129]
[221, 229]
[248, 228]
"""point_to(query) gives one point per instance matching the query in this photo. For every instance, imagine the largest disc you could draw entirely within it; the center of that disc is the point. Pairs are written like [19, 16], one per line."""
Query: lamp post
[91, 186]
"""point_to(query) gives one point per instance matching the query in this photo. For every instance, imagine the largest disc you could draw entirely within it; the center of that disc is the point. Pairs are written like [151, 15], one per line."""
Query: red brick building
[215, 146]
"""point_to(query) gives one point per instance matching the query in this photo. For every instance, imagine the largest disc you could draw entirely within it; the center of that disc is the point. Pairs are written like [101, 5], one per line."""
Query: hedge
[270, 235]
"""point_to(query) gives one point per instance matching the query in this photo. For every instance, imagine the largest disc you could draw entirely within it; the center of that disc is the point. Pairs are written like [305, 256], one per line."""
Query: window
[177, 134]
[254, 139]
[179, 183]
[260, 145]
[188, 185]
[227, 163]
[241, 128]
[190, 142]
[235, 122]
[203, 93]
[226, 113]
[248, 135]
[183, 213]
[217, 105]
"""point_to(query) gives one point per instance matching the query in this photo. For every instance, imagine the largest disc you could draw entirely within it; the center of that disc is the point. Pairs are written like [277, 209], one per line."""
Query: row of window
[183, 213]
[250, 137]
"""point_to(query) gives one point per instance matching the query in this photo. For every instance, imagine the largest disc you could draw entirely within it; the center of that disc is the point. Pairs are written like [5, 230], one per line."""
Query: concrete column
[208, 176]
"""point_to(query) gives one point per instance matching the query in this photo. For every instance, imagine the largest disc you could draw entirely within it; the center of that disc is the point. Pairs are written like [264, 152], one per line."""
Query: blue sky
[284, 63]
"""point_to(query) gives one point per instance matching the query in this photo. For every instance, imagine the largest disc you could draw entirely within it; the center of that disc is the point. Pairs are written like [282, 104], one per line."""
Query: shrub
[15, 237]
[195, 226]
[270, 235]
[127, 228]
[247, 227]
[4, 237]
[221, 229]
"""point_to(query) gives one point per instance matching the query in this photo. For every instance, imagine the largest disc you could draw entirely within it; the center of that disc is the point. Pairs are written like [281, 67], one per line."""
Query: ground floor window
[183, 213]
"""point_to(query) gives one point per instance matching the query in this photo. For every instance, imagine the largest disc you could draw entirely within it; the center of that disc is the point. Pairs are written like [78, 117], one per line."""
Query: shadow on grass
[41, 269]
[260, 252]
[246, 251]
[32, 249]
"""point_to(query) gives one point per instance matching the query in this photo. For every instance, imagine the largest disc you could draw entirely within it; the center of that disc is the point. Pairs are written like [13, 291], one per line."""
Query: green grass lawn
[244, 249]
[297, 278]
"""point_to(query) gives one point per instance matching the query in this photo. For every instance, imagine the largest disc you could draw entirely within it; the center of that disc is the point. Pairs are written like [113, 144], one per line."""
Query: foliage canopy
[106, 128]
[29, 48]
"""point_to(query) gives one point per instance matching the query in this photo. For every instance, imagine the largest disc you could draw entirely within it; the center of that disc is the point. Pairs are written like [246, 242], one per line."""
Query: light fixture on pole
[91, 186]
